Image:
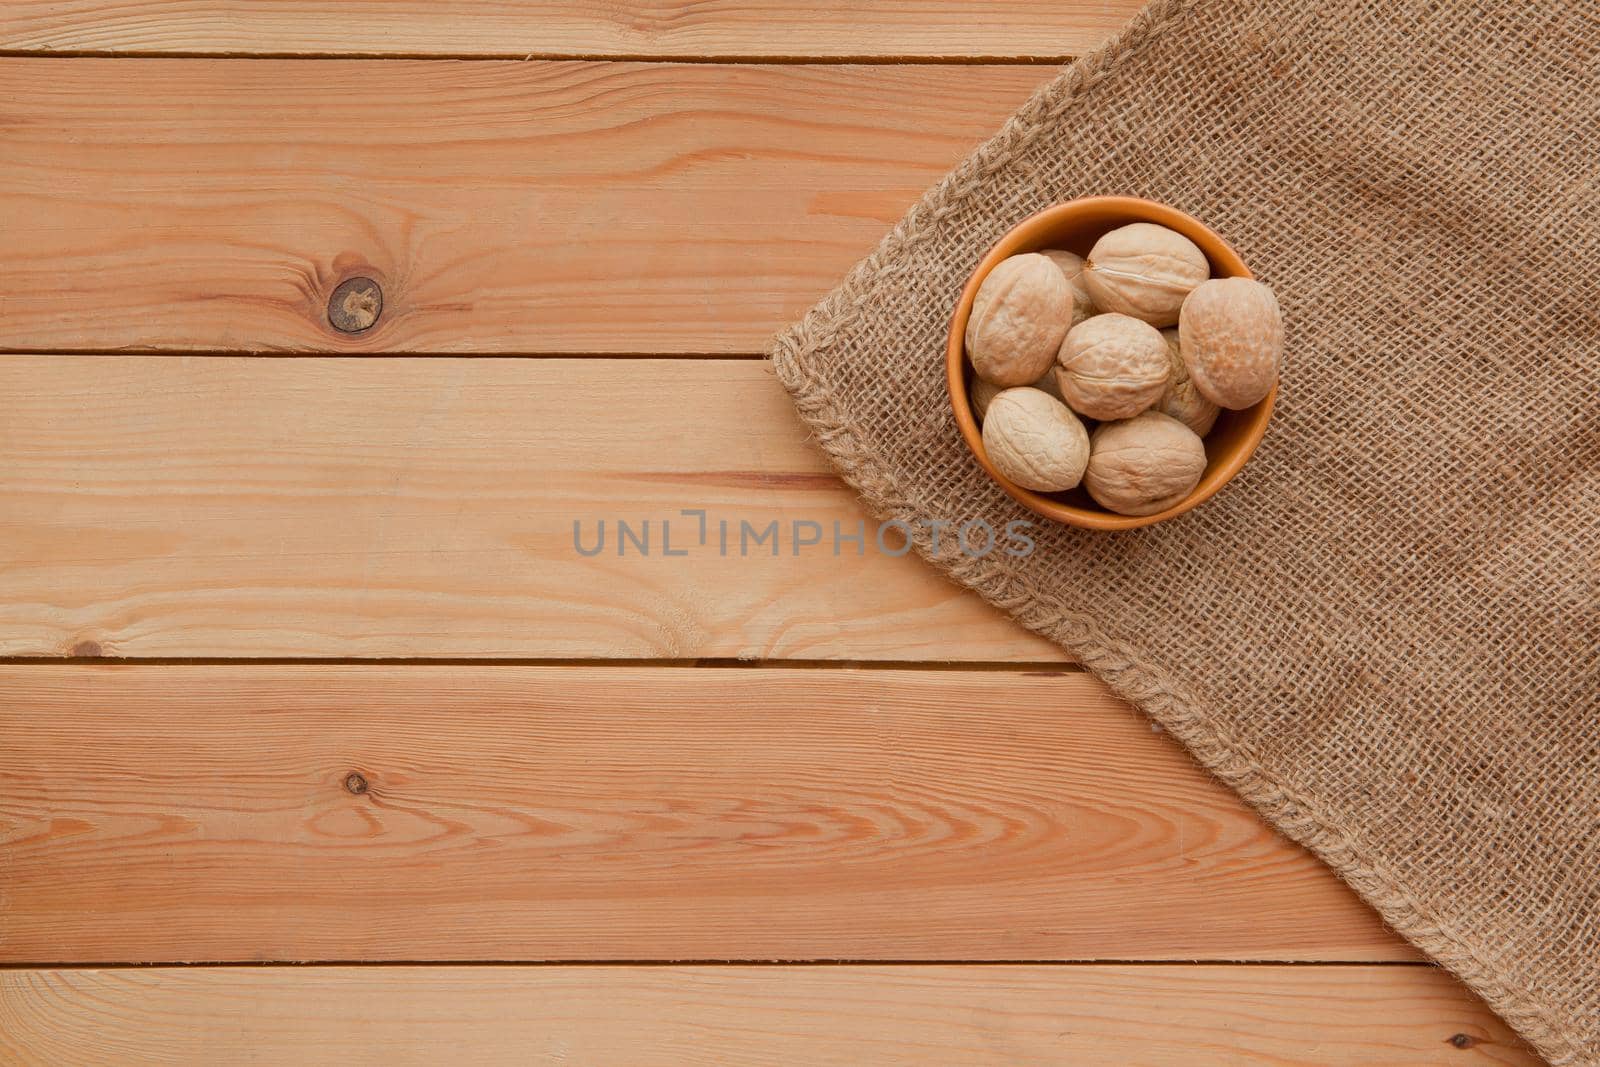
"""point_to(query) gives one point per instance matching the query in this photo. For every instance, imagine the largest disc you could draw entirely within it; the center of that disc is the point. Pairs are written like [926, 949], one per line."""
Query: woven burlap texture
[1384, 634]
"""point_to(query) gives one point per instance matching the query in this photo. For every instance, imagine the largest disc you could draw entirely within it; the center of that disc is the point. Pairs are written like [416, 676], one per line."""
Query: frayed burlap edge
[1292, 813]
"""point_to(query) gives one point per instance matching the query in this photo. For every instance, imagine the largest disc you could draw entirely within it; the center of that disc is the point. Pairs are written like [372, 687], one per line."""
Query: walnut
[1071, 265]
[1232, 340]
[1144, 270]
[982, 392]
[1034, 441]
[1181, 399]
[1143, 465]
[1021, 313]
[1112, 366]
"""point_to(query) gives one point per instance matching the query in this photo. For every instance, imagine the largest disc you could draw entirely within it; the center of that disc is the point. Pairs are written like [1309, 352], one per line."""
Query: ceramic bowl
[1075, 226]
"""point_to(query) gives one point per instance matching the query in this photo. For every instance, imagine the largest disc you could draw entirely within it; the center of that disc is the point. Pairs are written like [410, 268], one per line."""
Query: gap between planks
[330, 353]
[212, 965]
[1042, 668]
[865, 59]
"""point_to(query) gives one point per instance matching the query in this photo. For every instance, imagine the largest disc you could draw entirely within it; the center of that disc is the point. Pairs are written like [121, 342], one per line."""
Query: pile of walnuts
[1139, 338]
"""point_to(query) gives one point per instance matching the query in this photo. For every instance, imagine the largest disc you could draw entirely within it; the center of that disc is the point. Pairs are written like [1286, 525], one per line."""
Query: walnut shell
[1035, 441]
[1181, 399]
[1232, 339]
[1071, 265]
[1021, 313]
[1144, 270]
[1112, 366]
[1143, 465]
[982, 392]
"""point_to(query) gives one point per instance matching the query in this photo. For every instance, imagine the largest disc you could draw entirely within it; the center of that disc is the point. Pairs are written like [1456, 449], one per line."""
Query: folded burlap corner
[1385, 634]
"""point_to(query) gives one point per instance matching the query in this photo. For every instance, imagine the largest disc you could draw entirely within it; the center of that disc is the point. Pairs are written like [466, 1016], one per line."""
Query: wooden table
[302, 665]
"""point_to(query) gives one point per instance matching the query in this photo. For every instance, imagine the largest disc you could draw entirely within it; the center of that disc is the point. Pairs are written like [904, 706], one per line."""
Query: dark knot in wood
[355, 305]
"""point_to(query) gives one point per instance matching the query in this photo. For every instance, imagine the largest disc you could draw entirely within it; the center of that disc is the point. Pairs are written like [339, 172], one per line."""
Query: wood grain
[213, 205]
[159, 506]
[898, 29]
[1005, 1016]
[184, 813]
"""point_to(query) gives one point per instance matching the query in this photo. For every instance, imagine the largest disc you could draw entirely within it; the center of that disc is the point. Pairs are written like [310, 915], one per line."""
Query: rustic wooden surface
[846, 1016]
[708, 29]
[183, 813]
[160, 506]
[504, 207]
[472, 744]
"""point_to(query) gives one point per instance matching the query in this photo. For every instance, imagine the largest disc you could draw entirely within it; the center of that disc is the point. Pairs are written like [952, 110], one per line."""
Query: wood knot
[1463, 1040]
[356, 783]
[355, 305]
[87, 649]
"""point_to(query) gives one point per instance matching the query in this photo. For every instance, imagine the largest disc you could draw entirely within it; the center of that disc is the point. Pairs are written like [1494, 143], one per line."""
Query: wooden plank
[159, 506]
[899, 29]
[503, 207]
[184, 813]
[916, 1016]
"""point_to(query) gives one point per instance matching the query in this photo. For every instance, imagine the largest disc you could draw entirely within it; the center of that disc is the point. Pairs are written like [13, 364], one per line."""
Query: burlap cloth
[1384, 634]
